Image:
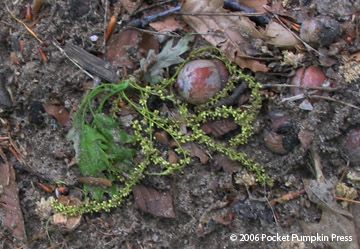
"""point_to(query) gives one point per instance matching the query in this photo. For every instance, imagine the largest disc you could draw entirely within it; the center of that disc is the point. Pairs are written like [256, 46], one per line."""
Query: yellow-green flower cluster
[152, 120]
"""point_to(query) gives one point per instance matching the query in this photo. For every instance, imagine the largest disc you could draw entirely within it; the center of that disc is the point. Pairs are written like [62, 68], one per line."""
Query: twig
[13, 148]
[28, 29]
[231, 99]
[320, 178]
[287, 197]
[272, 209]
[216, 14]
[36, 237]
[286, 27]
[4, 157]
[297, 97]
[150, 7]
[166, 33]
[143, 22]
[328, 89]
[344, 172]
[334, 100]
[346, 199]
[61, 243]
[105, 21]
[277, 58]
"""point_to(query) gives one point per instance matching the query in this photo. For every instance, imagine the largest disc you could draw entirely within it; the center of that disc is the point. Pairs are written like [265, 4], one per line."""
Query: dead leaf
[68, 223]
[169, 55]
[131, 5]
[255, 4]
[355, 210]
[162, 137]
[339, 230]
[279, 36]
[167, 24]
[173, 158]
[225, 163]
[147, 43]
[149, 200]
[9, 201]
[195, 151]
[230, 33]
[355, 57]
[119, 44]
[59, 113]
[219, 128]
[322, 193]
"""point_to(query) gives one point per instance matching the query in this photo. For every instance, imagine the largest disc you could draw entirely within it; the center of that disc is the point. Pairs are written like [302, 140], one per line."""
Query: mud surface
[209, 205]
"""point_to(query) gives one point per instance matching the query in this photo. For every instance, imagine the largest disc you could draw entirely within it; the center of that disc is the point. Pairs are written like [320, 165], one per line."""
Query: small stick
[231, 99]
[28, 29]
[344, 172]
[105, 20]
[334, 100]
[5, 159]
[150, 7]
[141, 23]
[328, 89]
[183, 13]
[166, 33]
[297, 97]
[287, 197]
[346, 199]
[111, 27]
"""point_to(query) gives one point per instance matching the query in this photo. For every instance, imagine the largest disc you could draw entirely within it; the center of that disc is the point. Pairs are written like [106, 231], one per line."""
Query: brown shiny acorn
[320, 30]
[282, 136]
[308, 76]
[61, 190]
[279, 121]
[200, 80]
[274, 142]
[352, 145]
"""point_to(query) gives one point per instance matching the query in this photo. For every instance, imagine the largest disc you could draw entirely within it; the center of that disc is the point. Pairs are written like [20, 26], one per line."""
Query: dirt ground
[208, 204]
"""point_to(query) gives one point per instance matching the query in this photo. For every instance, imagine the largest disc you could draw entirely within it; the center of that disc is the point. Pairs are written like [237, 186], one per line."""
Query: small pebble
[94, 38]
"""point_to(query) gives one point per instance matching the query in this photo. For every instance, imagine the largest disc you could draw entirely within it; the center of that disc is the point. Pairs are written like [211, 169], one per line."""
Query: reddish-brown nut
[200, 80]
[274, 142]
[352, 145]
[310, 76]
[320, 30]
[283, 137]
[280, 121]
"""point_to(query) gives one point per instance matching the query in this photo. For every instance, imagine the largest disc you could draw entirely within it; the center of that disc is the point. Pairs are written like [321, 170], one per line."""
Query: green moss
[152, 120]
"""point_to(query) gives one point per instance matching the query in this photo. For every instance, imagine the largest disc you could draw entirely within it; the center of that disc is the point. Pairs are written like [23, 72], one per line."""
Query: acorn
[280, 121]
[274, 142]
[352, 145]
[320, 30]
[200, 80]
[310, 76]
[282, 138]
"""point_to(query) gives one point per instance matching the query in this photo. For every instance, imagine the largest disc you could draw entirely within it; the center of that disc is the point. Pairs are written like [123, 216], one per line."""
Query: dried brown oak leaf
[149, 200]
[59, 113]
[230, 33]
[195, 151]
[118, 46]
[131, 5]
[339, 229]
[9, 202]
[218, 128]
